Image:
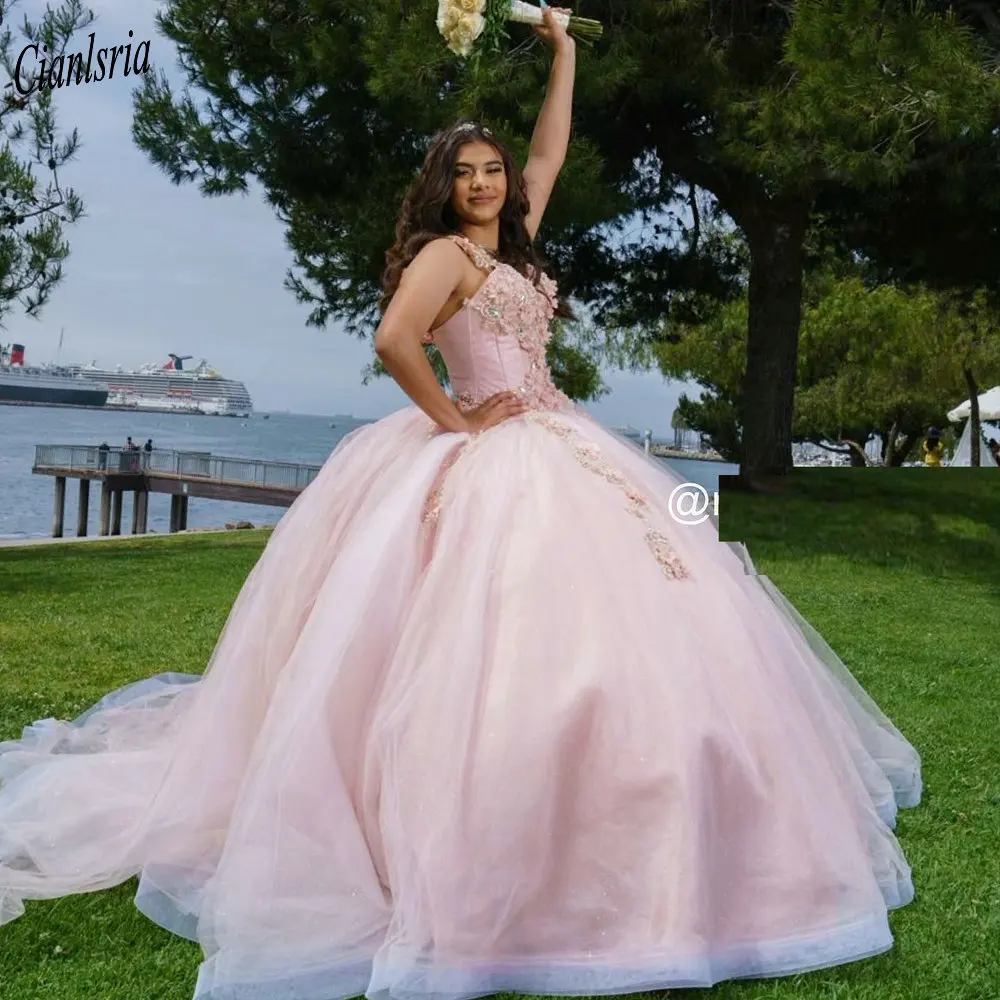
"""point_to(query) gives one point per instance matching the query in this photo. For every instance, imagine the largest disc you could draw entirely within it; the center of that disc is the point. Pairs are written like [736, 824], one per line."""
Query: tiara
[465, 126]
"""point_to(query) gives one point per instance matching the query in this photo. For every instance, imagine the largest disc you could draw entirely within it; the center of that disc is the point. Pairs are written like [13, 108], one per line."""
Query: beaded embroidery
[511, 306]
[482, 258]
[432, 505]
[591, 458]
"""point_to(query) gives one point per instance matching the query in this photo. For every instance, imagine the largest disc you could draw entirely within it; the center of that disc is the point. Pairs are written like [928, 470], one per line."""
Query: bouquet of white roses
[464, 23]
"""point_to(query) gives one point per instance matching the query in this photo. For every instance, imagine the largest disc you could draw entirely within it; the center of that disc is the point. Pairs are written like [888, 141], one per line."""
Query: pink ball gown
[484, 717]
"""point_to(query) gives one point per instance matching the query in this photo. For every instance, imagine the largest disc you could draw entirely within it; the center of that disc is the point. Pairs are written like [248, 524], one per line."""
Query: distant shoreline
[667, 451]
[117, 408]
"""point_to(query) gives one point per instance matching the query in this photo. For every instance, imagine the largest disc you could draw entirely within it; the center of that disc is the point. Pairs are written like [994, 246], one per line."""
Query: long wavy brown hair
[427, 213]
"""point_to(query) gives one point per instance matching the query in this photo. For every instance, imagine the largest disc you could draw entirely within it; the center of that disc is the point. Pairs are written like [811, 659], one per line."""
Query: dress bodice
[496, 341]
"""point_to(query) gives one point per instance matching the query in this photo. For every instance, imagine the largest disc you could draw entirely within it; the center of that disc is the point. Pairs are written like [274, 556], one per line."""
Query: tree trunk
[856, 453]
[975, 432]
[889, 445]
[775, 236]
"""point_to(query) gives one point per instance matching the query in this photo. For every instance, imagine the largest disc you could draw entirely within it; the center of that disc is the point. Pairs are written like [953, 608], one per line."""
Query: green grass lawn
[77, 621]
[899, 569]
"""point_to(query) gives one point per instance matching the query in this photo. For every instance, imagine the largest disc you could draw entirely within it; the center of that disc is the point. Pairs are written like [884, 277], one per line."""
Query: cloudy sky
[155, 269]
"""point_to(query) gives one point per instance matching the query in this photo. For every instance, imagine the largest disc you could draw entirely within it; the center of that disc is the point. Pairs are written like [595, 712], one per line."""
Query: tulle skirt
[484, 717]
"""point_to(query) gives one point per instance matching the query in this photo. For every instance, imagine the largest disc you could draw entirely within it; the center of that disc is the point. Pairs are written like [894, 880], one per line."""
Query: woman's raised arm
[550, 139]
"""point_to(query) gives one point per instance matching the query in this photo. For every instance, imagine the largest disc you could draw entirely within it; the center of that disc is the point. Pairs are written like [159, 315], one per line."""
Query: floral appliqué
[432, 505]
[511, 306]
[591, 458]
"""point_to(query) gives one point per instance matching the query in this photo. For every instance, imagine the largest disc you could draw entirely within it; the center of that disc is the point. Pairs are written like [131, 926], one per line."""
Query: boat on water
[161, 388]
[172, 388]
[45, 385]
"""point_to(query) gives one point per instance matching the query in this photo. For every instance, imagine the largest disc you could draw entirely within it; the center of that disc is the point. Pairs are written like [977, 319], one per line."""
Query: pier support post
[178, 512]
[105, 508]
[140, 513]
[83, 509]
[116, 512]
[60, 507]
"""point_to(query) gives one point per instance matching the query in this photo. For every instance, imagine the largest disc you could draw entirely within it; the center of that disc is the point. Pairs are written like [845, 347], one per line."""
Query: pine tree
[34, 203]
[769, 107]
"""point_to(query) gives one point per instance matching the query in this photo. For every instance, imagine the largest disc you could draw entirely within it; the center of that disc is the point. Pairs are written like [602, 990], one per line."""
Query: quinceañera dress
[484, 718]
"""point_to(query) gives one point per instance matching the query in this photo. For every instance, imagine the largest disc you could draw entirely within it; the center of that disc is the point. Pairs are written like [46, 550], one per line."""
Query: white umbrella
[989, 407]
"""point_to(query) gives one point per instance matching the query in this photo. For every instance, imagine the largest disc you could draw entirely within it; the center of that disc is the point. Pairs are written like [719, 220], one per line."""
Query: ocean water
[26, 500]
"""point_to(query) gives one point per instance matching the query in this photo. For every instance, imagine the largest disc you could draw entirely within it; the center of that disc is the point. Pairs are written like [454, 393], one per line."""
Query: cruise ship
[171, 388]
[166, 388]
[45, 385]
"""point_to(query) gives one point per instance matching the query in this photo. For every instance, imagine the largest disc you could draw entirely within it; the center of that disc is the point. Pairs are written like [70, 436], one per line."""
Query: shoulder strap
[479, 256]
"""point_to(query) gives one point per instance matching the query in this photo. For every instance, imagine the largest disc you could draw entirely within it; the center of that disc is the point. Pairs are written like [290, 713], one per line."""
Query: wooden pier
[181, 474]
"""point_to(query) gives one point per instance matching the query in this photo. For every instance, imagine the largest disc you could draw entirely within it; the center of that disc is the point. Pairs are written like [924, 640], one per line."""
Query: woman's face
[479, 188]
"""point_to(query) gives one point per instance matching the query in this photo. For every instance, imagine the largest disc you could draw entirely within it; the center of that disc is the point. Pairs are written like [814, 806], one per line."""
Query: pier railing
[176, 464]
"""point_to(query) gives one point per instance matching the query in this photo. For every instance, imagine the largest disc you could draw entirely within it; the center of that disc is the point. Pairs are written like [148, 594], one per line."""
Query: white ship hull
[168, 388]
[210, 406]
[171, 389]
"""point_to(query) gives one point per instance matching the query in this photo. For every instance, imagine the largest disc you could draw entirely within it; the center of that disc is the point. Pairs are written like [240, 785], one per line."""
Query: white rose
[465, 32]
[448, 16]
[472, 6]
[459, 48]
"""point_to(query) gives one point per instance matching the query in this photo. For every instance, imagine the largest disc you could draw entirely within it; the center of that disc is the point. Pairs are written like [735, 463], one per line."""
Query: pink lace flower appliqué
[431, 511]
[591, 458]
[511, 306]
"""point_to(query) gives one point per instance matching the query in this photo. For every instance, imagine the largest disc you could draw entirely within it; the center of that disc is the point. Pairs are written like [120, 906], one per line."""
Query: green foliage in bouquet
[495, 37]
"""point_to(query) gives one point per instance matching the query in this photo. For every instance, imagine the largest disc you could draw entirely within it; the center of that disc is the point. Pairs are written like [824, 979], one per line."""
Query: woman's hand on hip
[496, 409]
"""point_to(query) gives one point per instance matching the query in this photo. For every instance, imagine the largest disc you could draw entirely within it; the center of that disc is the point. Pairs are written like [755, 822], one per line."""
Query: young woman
[484, 717]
